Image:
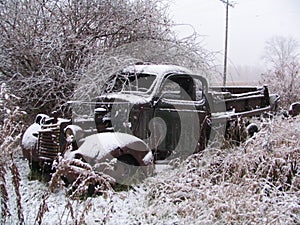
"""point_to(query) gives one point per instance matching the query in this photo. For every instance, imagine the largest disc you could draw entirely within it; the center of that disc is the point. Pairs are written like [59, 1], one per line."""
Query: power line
[226, 38]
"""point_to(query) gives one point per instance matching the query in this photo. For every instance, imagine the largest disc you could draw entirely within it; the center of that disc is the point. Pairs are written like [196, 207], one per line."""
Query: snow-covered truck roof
[158, 70]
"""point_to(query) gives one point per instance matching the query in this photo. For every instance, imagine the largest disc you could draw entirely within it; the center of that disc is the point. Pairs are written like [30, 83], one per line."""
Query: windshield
[121, 82]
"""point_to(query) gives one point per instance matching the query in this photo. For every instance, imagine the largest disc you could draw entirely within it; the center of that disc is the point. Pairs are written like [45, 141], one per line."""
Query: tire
[34, 166]
[126, 170]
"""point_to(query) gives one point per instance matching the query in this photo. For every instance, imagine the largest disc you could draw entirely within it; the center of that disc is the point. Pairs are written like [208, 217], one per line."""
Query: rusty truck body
[145, 113]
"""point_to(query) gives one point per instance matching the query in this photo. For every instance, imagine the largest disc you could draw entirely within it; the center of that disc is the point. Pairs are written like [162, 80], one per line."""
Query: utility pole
[226, 39]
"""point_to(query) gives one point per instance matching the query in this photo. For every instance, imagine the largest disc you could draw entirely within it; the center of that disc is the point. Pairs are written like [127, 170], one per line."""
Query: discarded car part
[252, 128]
[294, 109]
[274, 102]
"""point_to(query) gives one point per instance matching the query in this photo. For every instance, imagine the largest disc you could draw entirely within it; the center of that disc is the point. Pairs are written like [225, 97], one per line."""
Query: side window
[170, 89]
[199, 89]
[179, 87]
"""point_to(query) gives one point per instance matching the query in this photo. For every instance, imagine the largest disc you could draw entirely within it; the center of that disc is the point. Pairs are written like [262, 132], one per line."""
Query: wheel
[126, 170]
[34, 166]
[251, 129]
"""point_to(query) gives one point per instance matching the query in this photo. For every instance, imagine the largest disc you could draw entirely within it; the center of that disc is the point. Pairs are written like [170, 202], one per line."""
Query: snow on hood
[97, 146]
[134, 99]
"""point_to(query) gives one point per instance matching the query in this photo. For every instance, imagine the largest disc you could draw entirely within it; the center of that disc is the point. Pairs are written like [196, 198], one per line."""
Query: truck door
[179, 114]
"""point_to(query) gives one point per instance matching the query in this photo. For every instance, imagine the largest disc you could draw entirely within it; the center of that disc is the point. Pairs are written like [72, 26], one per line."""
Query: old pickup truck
[144, 114]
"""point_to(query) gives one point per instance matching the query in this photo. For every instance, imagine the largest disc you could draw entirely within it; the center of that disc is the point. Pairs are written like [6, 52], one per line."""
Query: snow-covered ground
[256, 183]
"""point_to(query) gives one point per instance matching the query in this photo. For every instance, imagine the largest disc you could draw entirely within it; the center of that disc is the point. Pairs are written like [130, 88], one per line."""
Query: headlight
[70, 137]
[73, 133]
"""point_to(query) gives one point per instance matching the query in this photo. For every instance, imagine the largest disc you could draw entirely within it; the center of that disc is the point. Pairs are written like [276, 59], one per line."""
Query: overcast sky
[251, 23]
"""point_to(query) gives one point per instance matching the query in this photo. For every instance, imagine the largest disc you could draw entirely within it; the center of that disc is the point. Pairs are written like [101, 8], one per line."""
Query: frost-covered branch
[46, 47]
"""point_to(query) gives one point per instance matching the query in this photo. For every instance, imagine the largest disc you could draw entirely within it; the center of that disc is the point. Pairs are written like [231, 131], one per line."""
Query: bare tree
[283, 65]
[47, 45]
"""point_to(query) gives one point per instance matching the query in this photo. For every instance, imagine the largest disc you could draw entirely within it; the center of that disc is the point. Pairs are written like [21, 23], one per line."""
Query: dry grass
[86, 181]
[43, 208]
[11, 128]
[16, 184]
[257, 183]
[4, 195]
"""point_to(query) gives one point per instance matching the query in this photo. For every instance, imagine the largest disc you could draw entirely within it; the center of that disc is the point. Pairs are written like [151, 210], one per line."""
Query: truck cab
[163, 105]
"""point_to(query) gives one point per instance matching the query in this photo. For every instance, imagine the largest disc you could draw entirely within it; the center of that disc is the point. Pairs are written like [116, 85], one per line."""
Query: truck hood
[113, 111]
[122, 98]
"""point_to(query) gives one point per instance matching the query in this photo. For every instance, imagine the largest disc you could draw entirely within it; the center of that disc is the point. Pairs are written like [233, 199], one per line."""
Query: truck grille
[49, 138]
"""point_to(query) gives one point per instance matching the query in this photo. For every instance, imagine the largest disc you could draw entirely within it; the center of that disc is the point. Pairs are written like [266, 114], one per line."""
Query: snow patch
[158, 70]
[124, 98]
[29, 141]
[97, 146]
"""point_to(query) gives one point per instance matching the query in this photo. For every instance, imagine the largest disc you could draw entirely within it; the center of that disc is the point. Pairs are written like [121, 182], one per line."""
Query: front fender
[30, 141]
[30, 138]
[99, 147]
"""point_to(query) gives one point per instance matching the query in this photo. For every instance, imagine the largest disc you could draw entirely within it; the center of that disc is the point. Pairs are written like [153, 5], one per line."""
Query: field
[255, 183]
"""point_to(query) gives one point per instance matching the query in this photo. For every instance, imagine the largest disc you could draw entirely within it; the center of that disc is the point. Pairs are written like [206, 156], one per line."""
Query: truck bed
[231, 102]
